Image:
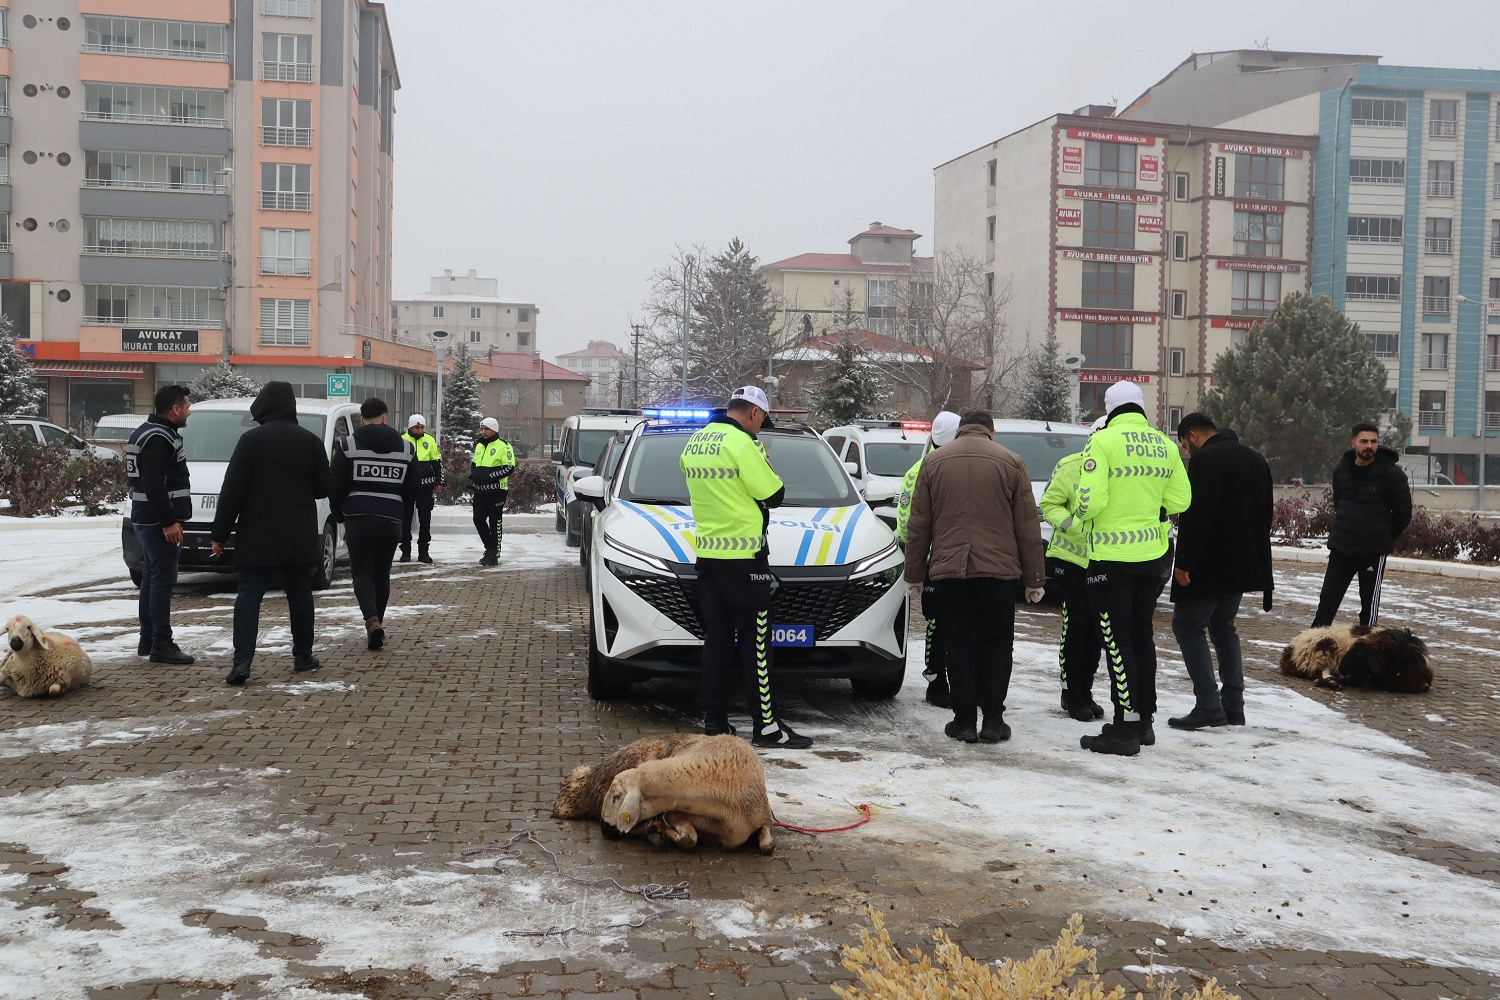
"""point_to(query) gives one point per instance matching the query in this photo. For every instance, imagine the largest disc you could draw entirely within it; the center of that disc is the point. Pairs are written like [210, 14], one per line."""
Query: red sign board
[1148, 167]
[1070, 217]
[1110, 256]
[1101, 136]
[1234, 323]
[1113, 377]
[1072, 159]
[1134, 197]
[1148, 223]
[1270, 266]
[1089, 316]
[1263, 207]
[1245, 147]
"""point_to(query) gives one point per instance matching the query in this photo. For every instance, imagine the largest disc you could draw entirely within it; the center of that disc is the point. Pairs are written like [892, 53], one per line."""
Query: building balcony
[1492, 363]
[185, 187]
[1378, 122]
[4, 110]
[1495, 248]
[1432, 418]
[1440, 189]
[286, 201]
[275, 135]
[287, 8]
[1389, 240]
[125, 47]
[297, 266]
[1372, 297]
[1442, 245]
[1435, 304]
[154, 322]
[119, 250]
[287, 72]
[1491, 421]
[1442, 129]
[144, 119]
[1434, 362]
[4, 178]
[4, 246]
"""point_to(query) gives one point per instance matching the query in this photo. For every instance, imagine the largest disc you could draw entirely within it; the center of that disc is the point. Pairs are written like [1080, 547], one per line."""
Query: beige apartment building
[470, 308]
[1149, 248]
[818, 292]
[200, 180]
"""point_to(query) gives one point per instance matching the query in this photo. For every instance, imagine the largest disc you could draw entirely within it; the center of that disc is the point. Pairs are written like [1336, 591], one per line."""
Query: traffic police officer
[429, 459]
[161, 499]
[1132, 477]
[732, 489]
[944, 429]
[494, 461]
[1078, 648]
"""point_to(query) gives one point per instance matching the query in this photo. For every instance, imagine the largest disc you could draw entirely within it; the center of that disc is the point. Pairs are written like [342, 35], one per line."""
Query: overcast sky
[567, 147]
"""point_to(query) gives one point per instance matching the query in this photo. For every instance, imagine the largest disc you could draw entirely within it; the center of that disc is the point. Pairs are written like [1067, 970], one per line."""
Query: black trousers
[489, 509]
[254, 581]
[979, 626]
[1122, 597]
[1079, 647]
[735, 595]
[1341, 569]
[934, 664]
[421, 505]
[372, 545]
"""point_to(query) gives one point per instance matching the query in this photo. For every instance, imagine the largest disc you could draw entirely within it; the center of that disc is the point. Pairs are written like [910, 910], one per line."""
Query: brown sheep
[38, 663]
[583, 791]
[1390, 659]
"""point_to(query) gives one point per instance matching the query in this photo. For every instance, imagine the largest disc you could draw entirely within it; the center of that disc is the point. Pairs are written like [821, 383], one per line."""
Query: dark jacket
[1368, 521]
[377, 438]
[159, 470]
[1224, 538]
[275, 478]
[973, 515]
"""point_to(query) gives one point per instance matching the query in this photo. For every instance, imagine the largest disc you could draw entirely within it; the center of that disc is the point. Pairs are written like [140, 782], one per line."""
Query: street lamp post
[226, 240]
[687, 323]
[1484, 382]
[1071, 363]
[439, 348]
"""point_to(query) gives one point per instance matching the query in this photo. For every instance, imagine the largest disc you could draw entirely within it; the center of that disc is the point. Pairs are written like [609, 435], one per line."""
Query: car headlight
[863, 567]
[655, 562]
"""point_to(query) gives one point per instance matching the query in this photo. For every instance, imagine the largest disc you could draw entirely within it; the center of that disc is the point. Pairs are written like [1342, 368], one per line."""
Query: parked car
[583, 439]
[113, 431]
[1041, 445]
[49, 433]
[208, 441]
[884, 448]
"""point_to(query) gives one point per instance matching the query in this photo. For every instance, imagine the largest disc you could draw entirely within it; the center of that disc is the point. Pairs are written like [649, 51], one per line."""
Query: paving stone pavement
[456, 737]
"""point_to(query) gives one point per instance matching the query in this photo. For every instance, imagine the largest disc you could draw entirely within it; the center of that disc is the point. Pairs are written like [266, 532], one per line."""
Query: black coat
[275, 478]
[1224, 538]
[385, 440]
[1367, 521]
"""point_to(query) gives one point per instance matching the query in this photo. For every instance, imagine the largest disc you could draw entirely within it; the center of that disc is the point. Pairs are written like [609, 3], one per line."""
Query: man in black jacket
[374, 480]
[269, 507]
[160, 500]
[1223, 553]
[1372, 506]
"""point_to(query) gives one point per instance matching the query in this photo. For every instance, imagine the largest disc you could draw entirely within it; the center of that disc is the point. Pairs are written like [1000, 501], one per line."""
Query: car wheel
[602, 684]
[328, 565]
[136, 576]
[574, 516]
[882, 686]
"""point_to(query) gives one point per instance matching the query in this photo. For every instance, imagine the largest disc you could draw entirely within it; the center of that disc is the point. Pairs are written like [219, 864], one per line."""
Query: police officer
[944, 429]
[374, 480]
[732, 489]
[494, 461]
[161, 499]
[429, 459]
[1078, 649]
[1132, 477]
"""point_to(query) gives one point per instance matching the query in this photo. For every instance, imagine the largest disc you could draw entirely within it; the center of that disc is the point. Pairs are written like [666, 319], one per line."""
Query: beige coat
[973, 515]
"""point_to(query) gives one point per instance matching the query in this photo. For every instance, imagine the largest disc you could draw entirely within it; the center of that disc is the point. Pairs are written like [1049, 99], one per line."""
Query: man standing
[732, 489]
[1132, 477]
[494, 461]
[1223, 553]
[374, 480]
[944, 430]
[429, 459]
[974, 533]
[1078, 649]
[160, 500]
[269, 507]
[1372, 506]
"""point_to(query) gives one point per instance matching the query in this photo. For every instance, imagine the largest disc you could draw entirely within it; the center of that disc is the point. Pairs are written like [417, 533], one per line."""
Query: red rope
[862, 807]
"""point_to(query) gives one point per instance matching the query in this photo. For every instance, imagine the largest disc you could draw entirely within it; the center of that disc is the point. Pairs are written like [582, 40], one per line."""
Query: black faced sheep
[38, 663]
[1391, 659]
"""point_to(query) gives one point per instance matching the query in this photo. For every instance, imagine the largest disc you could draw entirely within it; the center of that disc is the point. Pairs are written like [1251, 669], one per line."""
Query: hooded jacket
[268, 506]
[1370, 516]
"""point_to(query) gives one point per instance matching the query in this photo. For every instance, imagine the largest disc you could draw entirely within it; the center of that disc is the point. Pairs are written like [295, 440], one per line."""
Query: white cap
[414, 420]
[1122, 393]
[490, 423]
[944, 428]
[752, 394]
[1098, 424]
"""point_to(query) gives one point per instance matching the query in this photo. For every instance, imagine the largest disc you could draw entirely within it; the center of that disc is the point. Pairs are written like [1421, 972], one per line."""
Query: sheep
[1391, 659]
[583, 790]
[42, 663]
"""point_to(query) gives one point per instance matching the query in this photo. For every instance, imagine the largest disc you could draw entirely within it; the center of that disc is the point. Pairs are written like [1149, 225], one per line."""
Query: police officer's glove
[1034, 595]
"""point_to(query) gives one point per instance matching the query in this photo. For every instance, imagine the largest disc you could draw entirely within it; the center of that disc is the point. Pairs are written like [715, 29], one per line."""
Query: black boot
[302, 664]
[168, 652]
[994, 731]
[718, 727]
[1200, 718]
[143, 648]
[1082, 709]
[374, 634]
[960, 732]
[1146, 733]
[782, 736]
[405, 554]
[1119, 738]
[490, 559]
[423, 557]
[239, 675]
[1235, 718]
[937, 694]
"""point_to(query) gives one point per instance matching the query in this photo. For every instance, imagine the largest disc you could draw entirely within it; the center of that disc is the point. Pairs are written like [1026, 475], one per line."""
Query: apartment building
[1406, 235]
[1148, 248]
[609, 369]
[195, 181]
[818, 292]
[470, 308]
[530, 398]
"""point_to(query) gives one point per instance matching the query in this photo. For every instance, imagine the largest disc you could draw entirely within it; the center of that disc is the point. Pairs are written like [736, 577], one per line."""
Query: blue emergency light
[657, 413]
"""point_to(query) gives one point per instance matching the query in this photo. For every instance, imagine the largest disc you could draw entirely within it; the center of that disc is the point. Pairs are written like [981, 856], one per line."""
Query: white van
[213, 429]
[113, 431]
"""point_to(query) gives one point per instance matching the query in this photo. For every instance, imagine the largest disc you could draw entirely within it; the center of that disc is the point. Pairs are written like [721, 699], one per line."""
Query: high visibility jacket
[429, 460]
[494, 461]
[1131, 475]
[1070, 543]
[173, 492]
[908, 488]
[728, 478]
[377, 480]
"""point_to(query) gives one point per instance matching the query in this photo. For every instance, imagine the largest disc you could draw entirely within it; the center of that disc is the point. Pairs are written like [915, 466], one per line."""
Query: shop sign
[1072, 159]
[1148, 168]
[1097, 135]
[1244, 147]
[159, 341]
[1136, 377]
[1072, 217]
[1232, 323]
[1221, 173]
[1148, 224]
[1269, 266]
[1133, 197]
[1089, 316]
[1110, 256]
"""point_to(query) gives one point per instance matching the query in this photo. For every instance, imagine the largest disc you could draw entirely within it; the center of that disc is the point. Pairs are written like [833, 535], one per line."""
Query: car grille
[828, 607]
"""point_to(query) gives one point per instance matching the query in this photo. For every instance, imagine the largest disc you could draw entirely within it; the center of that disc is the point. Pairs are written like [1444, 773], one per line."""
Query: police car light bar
[905, 425]
[658, 413]
[611, 411]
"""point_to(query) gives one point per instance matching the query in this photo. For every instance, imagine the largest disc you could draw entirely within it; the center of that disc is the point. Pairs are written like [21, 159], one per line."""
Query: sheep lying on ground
[40, 663]
[1391, 659]
[674, 790]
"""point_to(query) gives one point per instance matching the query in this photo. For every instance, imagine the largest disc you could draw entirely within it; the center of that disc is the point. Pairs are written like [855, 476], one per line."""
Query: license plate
[208, 501]
[792, 635]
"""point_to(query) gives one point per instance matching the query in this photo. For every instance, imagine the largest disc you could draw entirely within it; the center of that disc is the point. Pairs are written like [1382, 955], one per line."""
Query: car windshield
[591, 446]
[894, 458]
[1040, 450]
[211, 435]
[812, 475]
[114, 432]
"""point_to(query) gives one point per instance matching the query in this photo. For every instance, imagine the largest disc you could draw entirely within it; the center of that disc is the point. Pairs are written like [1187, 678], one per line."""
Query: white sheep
[42, 663]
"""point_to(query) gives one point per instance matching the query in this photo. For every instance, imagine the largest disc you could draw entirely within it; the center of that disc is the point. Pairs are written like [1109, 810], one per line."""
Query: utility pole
[687, 324]
[635, 339]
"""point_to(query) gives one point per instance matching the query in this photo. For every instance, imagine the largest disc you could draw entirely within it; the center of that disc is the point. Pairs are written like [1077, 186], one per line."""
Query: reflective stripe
[712, 473]
[729, 544]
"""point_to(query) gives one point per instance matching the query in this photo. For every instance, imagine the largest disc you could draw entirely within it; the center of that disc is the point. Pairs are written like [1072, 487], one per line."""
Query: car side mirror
[881, 490]
[557, 457]
[852, 468]
[591, 489]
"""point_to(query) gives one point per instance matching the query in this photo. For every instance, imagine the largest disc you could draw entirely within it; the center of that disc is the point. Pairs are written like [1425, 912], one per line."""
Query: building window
[1259, 176]
[1495, 238]
[523, 339]
[1091, 401]
[1435, 352]
[1174, 417]
[150, 171]
[1373, 287]
[285, 122]
[1180, 190]
[1108, 286]
[174, 307]
[1106, 345]
[1257, 234]
[554, 397]
[286, 251]
[585, 362]
[1179, 246]
[1440, 178]
[989, 228]
[285, 322]
[286, 187]
[437, 312]
[523, 315]
[1432, 408]
[1255, 293]
[1176, 362]
[1439, 239]
[475, 336]
[1179, 304]
[135, 36]
[1368, 171]
[126, 102]
[287, 57]
[880, 306]
[1109, 164]
[288, 8]
[1379, 112]
[150, 237]
[509, 395]
[1384, 345]
[1108, 224]
[1442, 120]
[1435, 295]
[476, 312]
[989, 284]
[1375, 228]
[991, 171]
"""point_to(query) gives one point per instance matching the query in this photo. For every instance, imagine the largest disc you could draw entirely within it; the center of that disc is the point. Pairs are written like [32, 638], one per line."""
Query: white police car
[872, 448]
[1041, 445]
[840, 609]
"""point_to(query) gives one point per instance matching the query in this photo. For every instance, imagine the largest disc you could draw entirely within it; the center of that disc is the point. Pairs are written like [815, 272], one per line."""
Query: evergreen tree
[850, 386]
[1302, 378]
[20, 391]
[732, 316]
[1045, 393]
[461, 408]
[222, 381]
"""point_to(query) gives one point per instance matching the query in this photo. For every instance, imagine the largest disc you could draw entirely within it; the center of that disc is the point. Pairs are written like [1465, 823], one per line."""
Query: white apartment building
[470, 308]
[609, 369]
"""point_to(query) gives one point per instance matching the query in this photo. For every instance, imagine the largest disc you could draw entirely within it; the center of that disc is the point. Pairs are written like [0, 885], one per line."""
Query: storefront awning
[87, 369]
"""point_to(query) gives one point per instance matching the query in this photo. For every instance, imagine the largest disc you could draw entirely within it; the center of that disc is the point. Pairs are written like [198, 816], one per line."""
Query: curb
[1400, 564]
[38, 523]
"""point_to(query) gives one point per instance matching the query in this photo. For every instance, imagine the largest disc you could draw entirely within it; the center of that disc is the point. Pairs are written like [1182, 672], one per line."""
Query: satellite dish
[1072, 362]
[440, 336]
